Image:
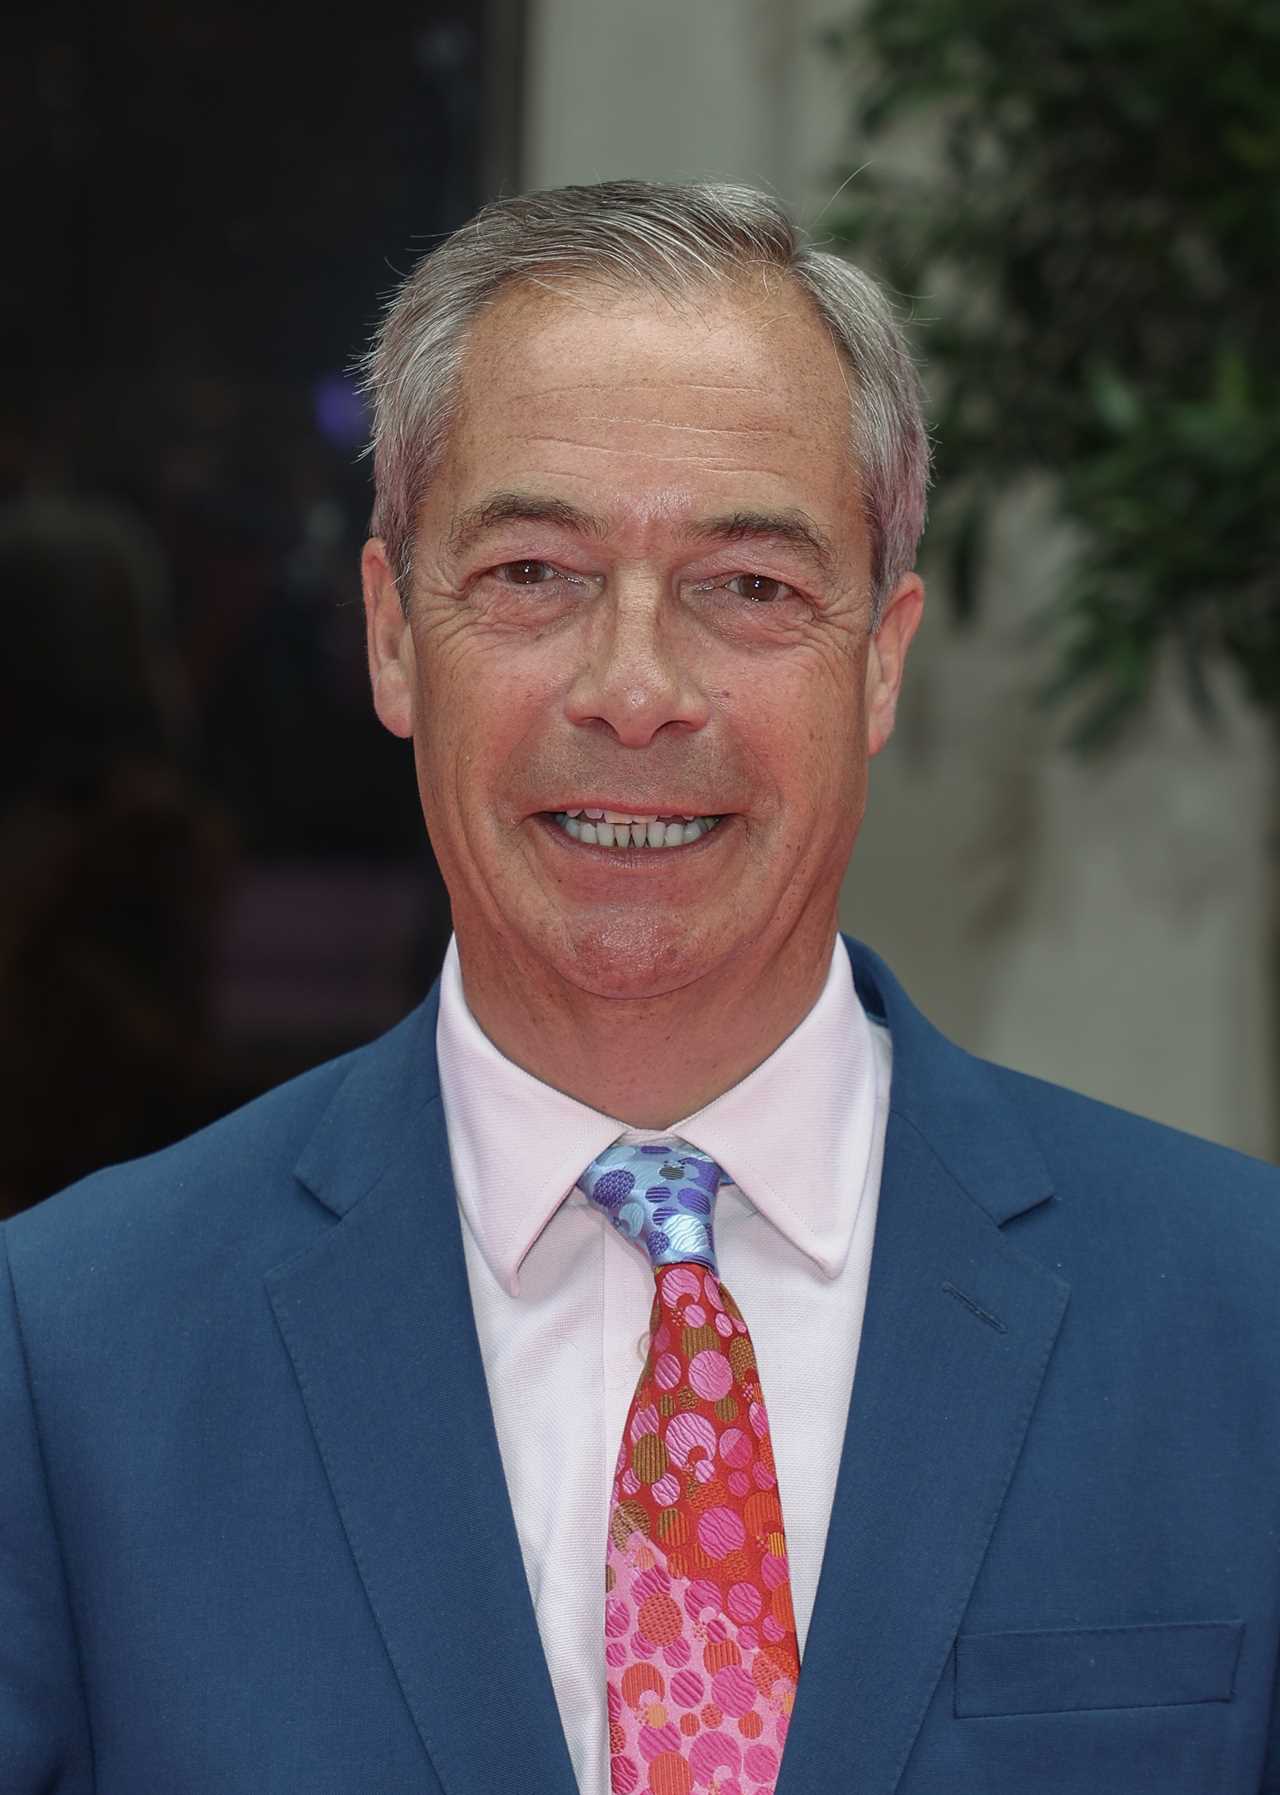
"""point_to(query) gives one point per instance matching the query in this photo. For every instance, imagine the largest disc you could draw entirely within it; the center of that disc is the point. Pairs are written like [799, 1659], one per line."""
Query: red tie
[700, 1639]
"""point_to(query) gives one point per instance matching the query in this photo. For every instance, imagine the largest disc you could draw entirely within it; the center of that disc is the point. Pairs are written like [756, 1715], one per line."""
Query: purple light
[339, 410]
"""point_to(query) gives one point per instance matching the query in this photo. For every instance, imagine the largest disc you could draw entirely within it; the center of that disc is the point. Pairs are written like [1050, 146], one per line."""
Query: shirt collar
[518, 1146]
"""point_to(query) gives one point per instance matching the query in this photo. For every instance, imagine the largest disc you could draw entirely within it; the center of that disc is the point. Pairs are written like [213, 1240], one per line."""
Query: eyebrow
[793, 527]
[796, 528]
[518, 508]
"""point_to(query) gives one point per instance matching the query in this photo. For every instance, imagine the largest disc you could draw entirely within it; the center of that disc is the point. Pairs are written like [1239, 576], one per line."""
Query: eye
[526, 573]
[758, 588]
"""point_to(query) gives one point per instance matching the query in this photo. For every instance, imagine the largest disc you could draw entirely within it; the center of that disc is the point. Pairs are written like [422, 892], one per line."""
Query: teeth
[638, 833]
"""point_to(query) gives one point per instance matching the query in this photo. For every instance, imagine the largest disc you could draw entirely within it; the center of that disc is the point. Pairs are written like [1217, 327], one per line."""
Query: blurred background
[214, 869]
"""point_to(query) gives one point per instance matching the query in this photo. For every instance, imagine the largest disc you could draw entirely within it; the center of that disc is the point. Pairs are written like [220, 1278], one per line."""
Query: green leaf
[1117, 402]
[1100, 247]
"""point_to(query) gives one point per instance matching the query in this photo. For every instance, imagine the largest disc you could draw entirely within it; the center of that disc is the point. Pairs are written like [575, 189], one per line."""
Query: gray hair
[670, 239]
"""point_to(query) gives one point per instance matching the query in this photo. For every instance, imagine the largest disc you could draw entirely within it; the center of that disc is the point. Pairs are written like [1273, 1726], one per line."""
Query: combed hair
[673, 240]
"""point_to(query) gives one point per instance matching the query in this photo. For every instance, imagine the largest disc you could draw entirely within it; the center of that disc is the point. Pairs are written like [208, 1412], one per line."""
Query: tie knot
[661, 1195]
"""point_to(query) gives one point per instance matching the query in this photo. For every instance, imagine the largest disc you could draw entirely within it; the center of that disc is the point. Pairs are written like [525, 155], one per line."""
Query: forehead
[734, 395]
[534, 321]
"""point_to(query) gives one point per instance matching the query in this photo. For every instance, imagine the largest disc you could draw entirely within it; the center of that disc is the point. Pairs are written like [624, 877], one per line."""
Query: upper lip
[673, 808]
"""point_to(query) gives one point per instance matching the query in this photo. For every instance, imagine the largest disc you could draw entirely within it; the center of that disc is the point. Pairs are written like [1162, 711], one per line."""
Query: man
[311, 1423]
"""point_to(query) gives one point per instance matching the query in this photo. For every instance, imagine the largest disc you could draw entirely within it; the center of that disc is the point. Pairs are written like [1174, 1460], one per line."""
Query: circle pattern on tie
[699, 1629]
[659, 1196]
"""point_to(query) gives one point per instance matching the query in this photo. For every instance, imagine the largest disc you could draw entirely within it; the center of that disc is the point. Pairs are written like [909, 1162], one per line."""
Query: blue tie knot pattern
[661, 1195]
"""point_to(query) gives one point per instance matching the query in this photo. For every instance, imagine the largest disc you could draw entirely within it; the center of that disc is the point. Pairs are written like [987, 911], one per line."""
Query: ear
[390, 641]
[887, 657]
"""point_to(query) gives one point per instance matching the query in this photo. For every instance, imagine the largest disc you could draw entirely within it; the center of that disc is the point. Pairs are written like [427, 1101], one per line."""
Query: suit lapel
[958, 1330]
[377, 1321]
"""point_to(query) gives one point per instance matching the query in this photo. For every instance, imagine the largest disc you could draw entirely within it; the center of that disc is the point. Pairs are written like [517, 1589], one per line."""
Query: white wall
[1104, 926]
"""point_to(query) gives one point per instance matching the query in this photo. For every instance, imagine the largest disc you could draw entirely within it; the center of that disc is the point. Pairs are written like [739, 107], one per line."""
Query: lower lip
[633, 858]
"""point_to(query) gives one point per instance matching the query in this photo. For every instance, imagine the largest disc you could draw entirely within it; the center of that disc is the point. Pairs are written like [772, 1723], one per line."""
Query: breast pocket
[1093, 1711]
[1095, 1667]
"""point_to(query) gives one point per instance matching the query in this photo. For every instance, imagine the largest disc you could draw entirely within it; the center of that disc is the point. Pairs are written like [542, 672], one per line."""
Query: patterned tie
[700, 1637]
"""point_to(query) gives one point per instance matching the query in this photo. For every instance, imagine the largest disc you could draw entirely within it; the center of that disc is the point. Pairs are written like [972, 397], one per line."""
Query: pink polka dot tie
[700, 1636]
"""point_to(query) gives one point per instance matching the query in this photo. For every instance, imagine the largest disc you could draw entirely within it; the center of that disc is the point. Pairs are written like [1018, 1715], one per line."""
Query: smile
[617, 829]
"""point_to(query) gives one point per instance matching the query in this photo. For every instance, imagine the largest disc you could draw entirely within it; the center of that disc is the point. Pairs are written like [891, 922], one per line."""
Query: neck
[648, 1061]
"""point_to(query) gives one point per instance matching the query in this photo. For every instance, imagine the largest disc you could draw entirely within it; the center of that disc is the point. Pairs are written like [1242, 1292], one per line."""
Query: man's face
[641, 586]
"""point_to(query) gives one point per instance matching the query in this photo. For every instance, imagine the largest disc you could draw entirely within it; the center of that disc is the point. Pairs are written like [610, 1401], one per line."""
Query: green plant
[1095, 255]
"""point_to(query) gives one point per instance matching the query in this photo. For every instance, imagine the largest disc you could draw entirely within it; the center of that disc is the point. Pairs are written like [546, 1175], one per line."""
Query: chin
[622, 957]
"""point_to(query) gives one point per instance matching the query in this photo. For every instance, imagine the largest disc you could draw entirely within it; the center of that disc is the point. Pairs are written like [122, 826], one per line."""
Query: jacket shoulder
[1073, 1129]
[1167, 1195]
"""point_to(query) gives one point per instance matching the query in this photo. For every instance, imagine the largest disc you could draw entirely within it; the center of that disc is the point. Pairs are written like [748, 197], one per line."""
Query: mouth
[634, 831]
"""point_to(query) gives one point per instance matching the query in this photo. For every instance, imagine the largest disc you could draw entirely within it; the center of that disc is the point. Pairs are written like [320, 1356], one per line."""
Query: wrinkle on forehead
[671, 507]
[656, 398]
[620, 386]
[602, 417]
[707, 459]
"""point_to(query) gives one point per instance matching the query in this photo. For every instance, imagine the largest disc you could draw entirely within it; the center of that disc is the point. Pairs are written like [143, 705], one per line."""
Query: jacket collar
[952, 1100]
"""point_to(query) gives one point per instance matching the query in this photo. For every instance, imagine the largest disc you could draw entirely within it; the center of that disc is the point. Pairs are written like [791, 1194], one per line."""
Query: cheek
[820, 732]
[480, 728]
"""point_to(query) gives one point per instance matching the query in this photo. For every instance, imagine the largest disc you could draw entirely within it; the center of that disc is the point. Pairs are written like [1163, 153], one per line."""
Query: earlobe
[887, 658]
[393, 700]
[389, 640]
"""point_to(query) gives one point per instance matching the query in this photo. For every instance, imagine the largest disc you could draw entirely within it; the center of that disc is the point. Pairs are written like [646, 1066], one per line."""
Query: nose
[636, 675]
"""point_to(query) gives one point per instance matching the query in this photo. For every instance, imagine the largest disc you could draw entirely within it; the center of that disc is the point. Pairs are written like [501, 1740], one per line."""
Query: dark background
[216, 865]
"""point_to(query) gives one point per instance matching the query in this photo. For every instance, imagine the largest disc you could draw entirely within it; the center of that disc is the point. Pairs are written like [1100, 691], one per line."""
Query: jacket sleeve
[44, 1733]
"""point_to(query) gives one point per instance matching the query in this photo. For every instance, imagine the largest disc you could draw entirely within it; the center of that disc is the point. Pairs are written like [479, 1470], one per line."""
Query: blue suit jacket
[254, 1532]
